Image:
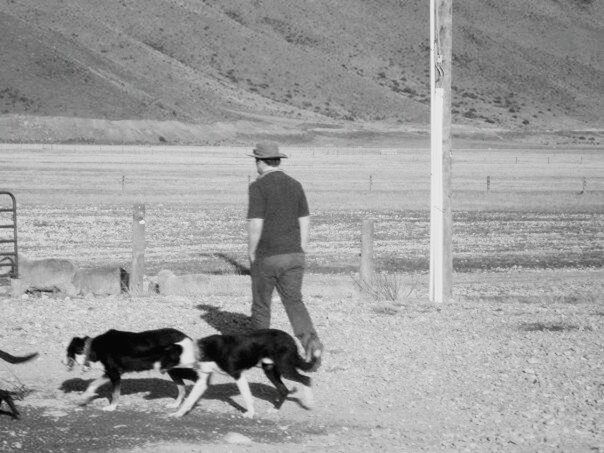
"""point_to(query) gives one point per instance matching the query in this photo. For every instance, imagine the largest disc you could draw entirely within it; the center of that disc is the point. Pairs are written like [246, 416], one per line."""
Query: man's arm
[254, 231]
[304, 230]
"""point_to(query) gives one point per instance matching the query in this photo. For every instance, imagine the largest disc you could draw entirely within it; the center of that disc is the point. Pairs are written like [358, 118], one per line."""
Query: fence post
[138, 249]
[366, 269]
[488, 183]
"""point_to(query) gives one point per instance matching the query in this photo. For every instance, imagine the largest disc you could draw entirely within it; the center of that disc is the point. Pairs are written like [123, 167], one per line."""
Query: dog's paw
[308, 404]
[177, 414]
[109, 408]
[308, 401]
[249, 414]
[173, 404]
[84, 400]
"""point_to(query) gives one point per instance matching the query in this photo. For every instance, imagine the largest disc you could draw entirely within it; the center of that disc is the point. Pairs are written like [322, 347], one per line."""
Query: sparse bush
[234, 15]
[384, 287]
[158, 46]
[230, 74]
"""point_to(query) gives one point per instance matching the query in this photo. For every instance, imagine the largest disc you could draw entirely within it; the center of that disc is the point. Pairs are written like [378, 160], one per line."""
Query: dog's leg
[5, 396]
[116, 384]
[272, 373]
[307, 399]
[244, 389]
[198, 389]
[180, 385]
[91, 390]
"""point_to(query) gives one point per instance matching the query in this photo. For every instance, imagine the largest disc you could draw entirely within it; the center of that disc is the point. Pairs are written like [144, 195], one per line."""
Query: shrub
[384, 287]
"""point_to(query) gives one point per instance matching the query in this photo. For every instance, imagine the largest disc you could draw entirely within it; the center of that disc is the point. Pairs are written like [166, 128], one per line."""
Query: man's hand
[304, 229]
[254, 231]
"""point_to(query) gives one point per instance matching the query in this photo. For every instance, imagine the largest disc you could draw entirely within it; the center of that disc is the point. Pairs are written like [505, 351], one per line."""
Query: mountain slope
[516, 64]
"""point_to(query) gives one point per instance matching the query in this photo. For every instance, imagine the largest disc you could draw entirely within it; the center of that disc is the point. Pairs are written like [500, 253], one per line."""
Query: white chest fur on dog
[188, 357]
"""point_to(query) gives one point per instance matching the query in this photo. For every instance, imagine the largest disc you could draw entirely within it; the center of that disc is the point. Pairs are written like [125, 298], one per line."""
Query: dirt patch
[478, 374]
[93, 430]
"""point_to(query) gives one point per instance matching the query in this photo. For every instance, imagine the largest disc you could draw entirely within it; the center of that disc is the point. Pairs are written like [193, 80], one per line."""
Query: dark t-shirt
[280, 200]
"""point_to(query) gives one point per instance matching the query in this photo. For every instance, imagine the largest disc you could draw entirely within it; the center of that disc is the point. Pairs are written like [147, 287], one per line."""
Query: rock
[181, 285]
[101, 281]
[49, 274]
[236, 438]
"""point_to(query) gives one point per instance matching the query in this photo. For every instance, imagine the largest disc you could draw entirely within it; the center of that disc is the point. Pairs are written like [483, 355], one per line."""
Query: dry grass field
[76, 202]
[513, 363]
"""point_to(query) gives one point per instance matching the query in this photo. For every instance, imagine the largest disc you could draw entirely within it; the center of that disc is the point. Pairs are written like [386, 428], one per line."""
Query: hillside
[135, 71]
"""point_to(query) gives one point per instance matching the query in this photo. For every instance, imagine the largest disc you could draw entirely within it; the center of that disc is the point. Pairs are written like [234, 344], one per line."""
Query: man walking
[278, 225]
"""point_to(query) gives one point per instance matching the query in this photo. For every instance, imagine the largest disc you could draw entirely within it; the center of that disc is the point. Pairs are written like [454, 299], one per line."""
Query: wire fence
[146, 169]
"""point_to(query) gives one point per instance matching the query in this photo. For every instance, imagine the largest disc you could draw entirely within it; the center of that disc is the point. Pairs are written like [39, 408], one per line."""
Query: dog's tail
[16, 359]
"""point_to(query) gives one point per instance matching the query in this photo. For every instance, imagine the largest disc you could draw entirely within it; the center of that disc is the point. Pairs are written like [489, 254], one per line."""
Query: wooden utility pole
[366, 269]
[441, 259]
[138, 249]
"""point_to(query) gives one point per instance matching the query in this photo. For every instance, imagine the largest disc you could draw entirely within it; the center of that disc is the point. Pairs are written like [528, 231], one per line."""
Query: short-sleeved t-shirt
[279, 200]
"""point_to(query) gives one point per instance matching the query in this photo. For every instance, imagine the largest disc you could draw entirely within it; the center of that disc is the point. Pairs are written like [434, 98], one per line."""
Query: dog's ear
[204, 348]
[76, 343]
[69, 343]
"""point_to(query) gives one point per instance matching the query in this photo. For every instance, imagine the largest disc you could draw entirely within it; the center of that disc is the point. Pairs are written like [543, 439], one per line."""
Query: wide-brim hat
[267, 150]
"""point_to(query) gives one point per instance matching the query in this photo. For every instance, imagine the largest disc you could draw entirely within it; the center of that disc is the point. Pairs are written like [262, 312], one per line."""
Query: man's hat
[267, 150]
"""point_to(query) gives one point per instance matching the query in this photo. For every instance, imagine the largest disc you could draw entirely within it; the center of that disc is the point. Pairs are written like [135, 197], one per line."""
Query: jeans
[284, 272]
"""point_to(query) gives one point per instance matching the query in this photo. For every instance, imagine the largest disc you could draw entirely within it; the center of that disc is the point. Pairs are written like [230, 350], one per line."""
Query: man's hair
[273, 162]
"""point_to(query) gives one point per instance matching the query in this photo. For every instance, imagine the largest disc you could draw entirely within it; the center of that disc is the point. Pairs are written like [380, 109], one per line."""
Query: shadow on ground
[155, 388]
[225, 322]
[91, 429]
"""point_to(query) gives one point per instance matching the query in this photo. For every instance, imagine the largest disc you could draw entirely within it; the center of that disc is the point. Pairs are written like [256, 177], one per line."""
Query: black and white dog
[122, 352]
[274, 350]
[5, 395]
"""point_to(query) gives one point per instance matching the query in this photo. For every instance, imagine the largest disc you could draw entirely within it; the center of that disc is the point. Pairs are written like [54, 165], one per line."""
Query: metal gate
[8, 235]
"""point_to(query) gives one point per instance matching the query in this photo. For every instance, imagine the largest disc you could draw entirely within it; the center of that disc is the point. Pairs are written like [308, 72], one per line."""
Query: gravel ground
[515, 363]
